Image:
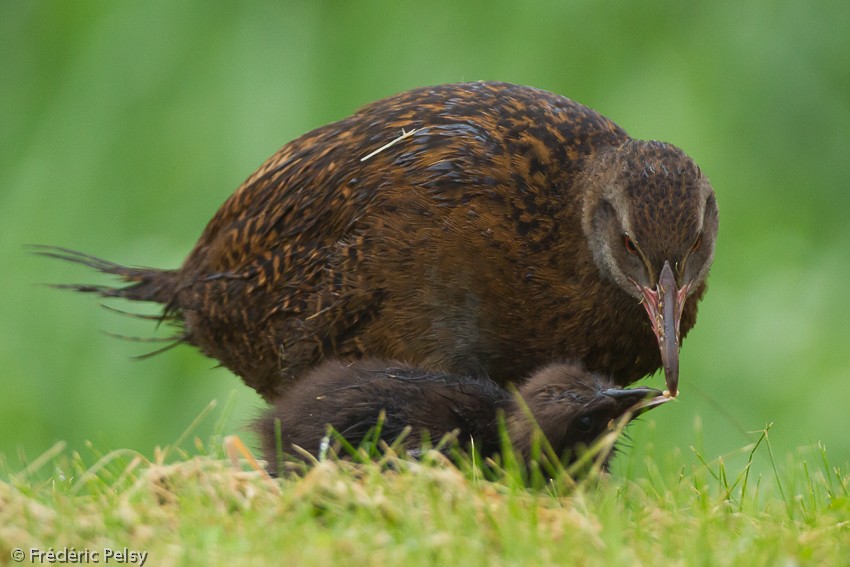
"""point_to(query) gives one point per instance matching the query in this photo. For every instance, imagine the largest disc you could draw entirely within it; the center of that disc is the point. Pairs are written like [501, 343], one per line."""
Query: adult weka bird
[568, 405]
[479, 228]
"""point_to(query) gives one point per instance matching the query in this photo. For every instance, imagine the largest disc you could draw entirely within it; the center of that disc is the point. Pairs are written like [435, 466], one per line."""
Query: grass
[198, 507]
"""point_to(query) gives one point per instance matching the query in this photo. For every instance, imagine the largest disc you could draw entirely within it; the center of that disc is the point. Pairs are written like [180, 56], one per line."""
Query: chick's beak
[632, 402]
[664, 306]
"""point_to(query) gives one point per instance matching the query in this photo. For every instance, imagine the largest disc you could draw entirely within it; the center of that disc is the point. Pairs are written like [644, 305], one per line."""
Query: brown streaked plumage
[479, 228]
[568, 405]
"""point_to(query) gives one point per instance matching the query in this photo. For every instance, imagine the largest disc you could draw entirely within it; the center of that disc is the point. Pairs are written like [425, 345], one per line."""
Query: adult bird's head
[650, 219]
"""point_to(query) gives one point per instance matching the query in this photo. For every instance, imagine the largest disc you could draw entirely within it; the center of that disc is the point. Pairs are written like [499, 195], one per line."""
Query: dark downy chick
[573, 408]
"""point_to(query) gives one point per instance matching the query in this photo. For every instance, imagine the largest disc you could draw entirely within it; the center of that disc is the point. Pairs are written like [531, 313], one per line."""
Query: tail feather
[172, 341]
[146, 284]
[158, 318]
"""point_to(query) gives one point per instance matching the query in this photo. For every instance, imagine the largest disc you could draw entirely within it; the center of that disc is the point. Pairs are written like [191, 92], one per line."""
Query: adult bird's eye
[584, 424]
[631, 247]
[697, 244]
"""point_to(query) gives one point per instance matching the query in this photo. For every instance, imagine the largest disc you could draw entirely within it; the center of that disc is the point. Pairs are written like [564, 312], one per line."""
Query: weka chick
[480, 228]
[571, 406]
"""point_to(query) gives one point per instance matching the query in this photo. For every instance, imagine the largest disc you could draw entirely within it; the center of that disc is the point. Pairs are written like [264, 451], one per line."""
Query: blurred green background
[124, 126]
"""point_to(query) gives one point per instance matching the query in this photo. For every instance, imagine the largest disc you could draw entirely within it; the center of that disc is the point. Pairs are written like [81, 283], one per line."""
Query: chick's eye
[584, 424]
[631, 247]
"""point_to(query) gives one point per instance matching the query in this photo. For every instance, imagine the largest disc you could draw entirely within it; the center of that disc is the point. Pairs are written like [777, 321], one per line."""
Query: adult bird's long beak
[664, 306]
